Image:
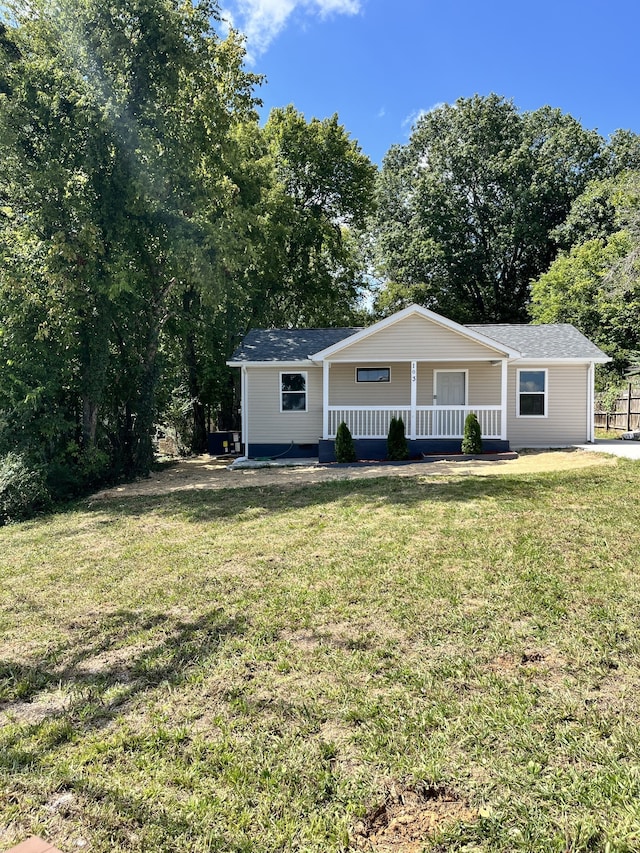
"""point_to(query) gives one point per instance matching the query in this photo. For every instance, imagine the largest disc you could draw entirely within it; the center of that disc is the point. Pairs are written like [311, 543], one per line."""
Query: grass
[258, 669]
[608, 433]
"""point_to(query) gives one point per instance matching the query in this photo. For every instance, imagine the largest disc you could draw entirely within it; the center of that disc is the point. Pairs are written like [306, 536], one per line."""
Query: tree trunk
[199, 436]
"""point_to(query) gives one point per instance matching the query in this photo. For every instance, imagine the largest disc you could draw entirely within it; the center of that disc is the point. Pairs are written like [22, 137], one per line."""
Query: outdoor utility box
[220, 443]
[224, 442]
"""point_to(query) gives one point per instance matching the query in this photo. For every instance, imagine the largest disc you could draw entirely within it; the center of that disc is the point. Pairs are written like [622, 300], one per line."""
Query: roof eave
[559, 360]
[272, 363]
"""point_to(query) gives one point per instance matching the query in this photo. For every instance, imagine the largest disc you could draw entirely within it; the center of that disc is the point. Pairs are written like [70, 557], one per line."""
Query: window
[373, 374]
[293, 392]
[532, 394]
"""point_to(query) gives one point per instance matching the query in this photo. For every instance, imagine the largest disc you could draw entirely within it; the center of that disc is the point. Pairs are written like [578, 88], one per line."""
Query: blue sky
[379, 64]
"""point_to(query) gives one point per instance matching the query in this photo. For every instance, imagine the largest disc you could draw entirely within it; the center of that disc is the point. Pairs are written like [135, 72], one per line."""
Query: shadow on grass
[206, 506]
[106, 664]
[103, 653]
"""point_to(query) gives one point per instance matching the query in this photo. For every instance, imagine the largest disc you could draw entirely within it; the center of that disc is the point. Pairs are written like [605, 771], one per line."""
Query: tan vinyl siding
[413, 338]
[345, 391]
[484, 381]
[265, 421]
[566, 421]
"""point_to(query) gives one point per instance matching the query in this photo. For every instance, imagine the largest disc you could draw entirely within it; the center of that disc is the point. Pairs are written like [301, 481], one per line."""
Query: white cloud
[382, 112]
[414, 117]
[262, 20]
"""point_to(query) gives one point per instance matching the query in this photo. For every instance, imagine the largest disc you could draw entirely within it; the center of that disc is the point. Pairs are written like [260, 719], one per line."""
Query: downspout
[591, 431]
[243, 409]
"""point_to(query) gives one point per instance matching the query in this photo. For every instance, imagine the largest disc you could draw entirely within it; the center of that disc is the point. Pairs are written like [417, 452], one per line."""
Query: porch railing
[430, 421]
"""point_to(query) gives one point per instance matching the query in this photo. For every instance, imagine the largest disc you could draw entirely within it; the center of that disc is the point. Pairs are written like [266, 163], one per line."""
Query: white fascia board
[421, 312]
[304, 363]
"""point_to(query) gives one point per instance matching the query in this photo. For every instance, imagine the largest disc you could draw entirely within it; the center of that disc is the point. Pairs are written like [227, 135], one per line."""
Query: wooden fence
[625, 412]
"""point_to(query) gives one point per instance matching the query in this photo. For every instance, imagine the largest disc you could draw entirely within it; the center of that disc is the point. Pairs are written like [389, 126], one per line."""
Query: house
[530, 386]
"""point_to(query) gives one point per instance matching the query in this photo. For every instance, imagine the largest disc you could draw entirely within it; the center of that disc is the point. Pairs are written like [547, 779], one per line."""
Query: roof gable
[414, 332]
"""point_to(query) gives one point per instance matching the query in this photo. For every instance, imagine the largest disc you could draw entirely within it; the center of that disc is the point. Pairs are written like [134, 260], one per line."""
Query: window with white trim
[532, 394]
[293, 392]
[373, 374]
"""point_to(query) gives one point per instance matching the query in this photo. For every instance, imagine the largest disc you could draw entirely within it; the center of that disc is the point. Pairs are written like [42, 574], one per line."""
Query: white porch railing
[366, 421]
[430, 421]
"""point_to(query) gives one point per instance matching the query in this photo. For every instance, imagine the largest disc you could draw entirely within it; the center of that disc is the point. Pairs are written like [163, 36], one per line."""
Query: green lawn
[261, 669]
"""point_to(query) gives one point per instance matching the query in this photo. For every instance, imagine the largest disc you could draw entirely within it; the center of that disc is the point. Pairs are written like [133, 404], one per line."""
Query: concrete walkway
[615, 446]
[243, 462]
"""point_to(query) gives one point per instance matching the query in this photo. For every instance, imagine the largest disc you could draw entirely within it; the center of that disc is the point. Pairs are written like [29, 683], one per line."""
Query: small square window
[373, 374]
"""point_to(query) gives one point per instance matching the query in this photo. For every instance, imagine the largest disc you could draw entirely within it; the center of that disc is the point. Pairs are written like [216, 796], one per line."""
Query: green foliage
[609, 399]
[596, 285]
[397, 448]
[118, 138]
[467, 207]
[345, 448]
[472, 435]
[23, 491]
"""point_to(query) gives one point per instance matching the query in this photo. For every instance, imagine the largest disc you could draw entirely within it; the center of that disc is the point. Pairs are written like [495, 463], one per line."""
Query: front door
[450, 388]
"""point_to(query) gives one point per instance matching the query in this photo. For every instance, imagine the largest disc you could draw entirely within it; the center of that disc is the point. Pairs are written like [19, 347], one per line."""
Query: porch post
[325, 399]
[414, 400]
[503, 401]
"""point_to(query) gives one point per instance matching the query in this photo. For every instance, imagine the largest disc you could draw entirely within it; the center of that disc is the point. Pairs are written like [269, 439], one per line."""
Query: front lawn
[384, 664]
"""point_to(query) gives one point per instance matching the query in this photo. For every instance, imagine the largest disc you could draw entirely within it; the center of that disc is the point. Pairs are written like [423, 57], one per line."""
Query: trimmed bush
[472, 440]
[23, 491]
[345, 448]
[397, 447]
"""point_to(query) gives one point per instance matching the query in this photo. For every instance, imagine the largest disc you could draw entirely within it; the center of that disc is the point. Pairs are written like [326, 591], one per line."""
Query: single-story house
[530, 386]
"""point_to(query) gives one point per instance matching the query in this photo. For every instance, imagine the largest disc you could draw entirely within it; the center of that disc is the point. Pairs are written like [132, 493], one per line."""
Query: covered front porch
[433, 399]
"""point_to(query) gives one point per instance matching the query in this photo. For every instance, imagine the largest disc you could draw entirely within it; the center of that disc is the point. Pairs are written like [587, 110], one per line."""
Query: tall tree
[596, 283]
[321, 194]
[117, 121]
[289, 256]
[467, 207]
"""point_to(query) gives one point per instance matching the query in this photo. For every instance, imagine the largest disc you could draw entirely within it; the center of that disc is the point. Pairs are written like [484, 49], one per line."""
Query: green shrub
[23, 491]
[397, 447]
[345, 448]
[472, 440]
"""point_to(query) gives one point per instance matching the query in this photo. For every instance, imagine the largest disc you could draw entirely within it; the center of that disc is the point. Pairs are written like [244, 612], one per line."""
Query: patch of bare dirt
[409, 818]
[206, 472]
[46, 704]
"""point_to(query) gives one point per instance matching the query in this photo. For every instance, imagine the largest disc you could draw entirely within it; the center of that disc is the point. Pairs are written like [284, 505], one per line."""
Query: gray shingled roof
[550, 341]
[556, 340]
[287, 344]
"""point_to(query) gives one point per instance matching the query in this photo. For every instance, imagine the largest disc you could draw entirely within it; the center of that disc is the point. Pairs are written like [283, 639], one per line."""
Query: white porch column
[503, 401]
[414, 399]
[325, 399]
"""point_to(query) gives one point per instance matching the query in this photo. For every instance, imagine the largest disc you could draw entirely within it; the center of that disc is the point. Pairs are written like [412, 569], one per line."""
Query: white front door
[450, 388]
